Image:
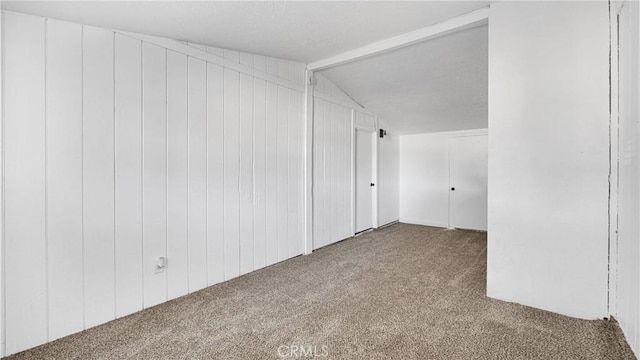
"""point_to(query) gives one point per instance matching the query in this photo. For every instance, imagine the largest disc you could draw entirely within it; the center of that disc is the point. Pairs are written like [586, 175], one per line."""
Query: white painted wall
[628, 251]
[424, 180]
[388, 176]
[118, 151]
[549, 155]
[424, 177]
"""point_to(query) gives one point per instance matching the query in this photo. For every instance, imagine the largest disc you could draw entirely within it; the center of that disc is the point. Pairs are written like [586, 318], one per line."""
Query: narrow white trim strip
[350, 105]
[203, 55]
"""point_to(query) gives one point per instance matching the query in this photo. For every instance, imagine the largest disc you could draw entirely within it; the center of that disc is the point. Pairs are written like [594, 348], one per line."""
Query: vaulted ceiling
[436, 85]
[303, 31]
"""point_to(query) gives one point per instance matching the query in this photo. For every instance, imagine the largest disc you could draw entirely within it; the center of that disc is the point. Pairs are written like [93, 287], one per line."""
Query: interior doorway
[364, 179]
[468, 168]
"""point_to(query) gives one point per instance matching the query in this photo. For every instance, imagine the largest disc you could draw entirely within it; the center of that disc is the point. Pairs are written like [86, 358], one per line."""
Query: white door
[468, 182]
[364, 184]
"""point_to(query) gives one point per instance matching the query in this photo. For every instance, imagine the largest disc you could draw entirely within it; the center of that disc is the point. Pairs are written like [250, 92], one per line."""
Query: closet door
[364, 180]
[468, 182]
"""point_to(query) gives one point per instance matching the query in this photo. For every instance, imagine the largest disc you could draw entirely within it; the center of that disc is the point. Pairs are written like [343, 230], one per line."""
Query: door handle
[372, 184]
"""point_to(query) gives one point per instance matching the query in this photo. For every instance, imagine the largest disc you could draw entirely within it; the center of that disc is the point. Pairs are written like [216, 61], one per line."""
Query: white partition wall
[549, 156]
[628, 255]
[120, 149]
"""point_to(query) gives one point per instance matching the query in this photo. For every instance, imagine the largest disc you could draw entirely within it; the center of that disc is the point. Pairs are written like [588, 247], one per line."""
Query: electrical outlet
[161, 264]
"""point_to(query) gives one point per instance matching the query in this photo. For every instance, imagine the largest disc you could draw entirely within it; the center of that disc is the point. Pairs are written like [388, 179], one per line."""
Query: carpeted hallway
[403, 292]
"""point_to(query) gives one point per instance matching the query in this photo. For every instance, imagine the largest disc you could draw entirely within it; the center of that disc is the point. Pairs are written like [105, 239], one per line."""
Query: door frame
[480, 133]
[615, 10]
[374, 168]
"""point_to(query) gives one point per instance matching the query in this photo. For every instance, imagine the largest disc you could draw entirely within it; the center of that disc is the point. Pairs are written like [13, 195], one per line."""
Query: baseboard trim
[388, 224]
[423, 222]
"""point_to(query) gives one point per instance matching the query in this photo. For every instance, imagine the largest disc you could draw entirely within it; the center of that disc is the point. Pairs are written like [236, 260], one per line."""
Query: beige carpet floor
[403, 292]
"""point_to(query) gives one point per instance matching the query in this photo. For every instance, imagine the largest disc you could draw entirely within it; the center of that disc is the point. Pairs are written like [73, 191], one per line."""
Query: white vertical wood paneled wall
[325, 88]
[118, 151]
[332, 173]
[282, 68]
[335, 116]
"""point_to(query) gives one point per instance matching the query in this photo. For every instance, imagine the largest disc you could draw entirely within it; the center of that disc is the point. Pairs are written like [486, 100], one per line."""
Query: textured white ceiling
[303, 31]
[437, 85]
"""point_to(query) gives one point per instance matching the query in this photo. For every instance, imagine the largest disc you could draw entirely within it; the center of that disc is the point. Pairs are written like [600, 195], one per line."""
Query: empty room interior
[331, 180]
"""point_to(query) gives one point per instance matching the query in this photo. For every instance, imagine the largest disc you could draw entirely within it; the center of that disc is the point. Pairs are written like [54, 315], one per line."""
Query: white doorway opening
[468, 167]
[364, 179]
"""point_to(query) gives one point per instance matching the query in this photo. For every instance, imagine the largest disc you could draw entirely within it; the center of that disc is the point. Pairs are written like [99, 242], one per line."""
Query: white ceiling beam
[467, 21]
